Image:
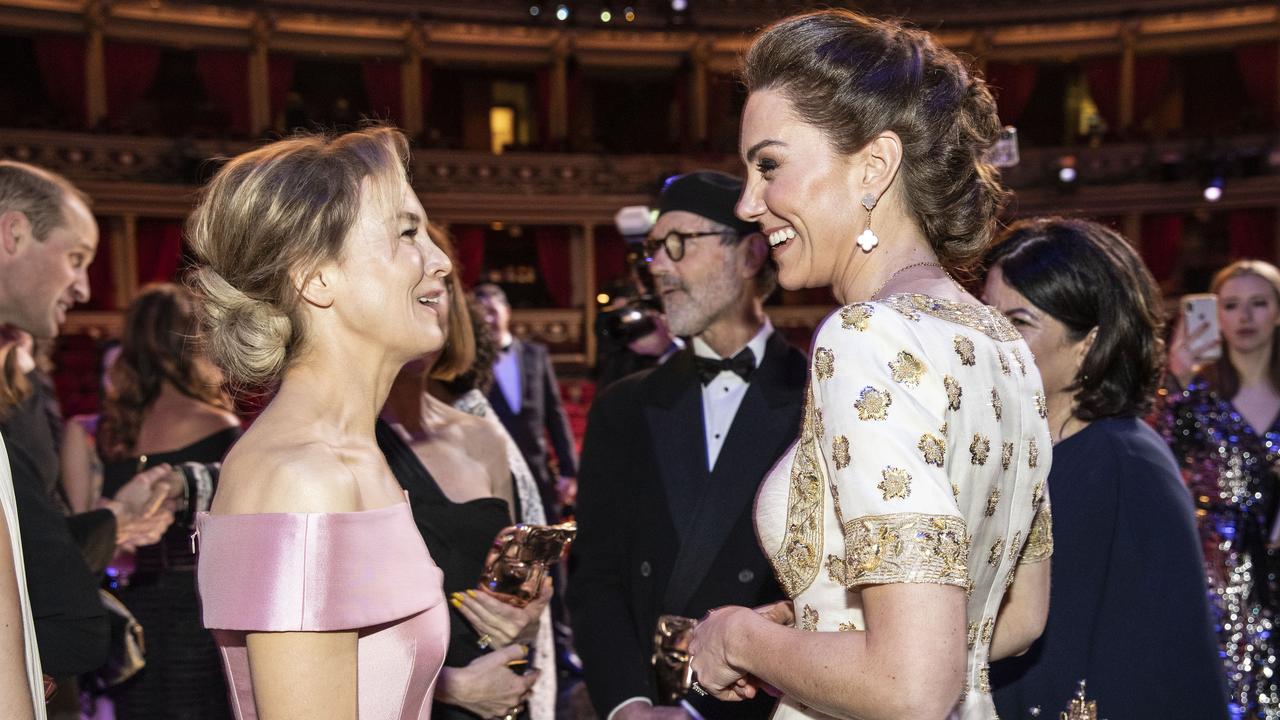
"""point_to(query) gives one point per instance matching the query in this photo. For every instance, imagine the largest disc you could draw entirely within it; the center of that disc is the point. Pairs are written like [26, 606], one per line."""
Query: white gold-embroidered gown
[922, 458]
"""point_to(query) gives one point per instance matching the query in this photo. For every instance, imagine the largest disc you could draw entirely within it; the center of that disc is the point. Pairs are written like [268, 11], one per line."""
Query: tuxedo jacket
[660, 534]
[541, 414]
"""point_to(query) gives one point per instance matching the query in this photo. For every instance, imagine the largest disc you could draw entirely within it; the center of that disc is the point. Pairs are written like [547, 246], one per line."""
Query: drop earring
[868, 240]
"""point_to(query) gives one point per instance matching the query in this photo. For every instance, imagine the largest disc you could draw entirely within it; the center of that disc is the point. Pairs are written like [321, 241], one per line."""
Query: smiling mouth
[781, 236]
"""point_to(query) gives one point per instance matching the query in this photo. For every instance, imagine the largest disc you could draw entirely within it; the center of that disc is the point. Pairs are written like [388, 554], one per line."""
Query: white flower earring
[868, 240]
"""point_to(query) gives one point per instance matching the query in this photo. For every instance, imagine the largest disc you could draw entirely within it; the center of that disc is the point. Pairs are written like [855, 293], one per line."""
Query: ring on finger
[484, 641]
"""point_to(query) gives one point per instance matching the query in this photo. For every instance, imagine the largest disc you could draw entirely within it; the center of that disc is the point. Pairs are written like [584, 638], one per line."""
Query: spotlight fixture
[679, 5]
[629, 14]
[1213, 191]
[605, 16]
[562, 13]
[1067, 174]
[534, 11]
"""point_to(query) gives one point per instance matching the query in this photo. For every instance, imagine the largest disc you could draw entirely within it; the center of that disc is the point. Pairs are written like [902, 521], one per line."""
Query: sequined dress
[1230, 469]
[922, 458]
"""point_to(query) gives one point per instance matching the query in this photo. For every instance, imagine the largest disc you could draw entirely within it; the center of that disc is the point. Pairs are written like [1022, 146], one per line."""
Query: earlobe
[1084, 346]
[14, 229]
[882, 158]
[316, 290]
[757, 252]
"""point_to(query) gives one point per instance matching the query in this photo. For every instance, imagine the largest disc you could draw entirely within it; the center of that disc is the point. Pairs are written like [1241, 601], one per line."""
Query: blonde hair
[459, 352]
[265, 223]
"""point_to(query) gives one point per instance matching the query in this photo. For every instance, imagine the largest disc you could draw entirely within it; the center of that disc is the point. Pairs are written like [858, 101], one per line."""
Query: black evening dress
[183, 677]
[458, 536]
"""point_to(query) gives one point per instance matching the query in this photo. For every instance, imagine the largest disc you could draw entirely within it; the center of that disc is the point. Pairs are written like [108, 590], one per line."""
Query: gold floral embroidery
[964, 348]
[1006, 455]
[895, 483]
[1017, 357]
[997, 404]
[836, 569]
[819, 427]
[954, 391]
[856, 316]
[993, 500]
[1008, 579]
[906, 547]
[997, 548]
[988, 629]
[796, 561]
[1033, 453]
[906, 369]
[955, 491]
[824, 363]
[982, 318]
[809, 619]
[1015, 545]
[1004, 362]
[840, 452]
[984, 680]
[847, 626]
[1037, 495]
[1042, 407]
[1040, 540]
[973, 633]
[933, 448]
[873, 404]
[979, 449]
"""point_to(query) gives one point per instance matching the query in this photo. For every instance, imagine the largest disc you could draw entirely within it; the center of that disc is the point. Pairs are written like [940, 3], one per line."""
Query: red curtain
[159, 249]
[1252, 234]
[468, 250]
[1103, 75]
[1012, 84]
[542, 106]
[1257, 64]
[1161, 238]
[279, 82]
[1150, 76]
[225, 75]
[130, 69]
[102, 282]
[382, 86]
[61, 59]
[553, 263]
[611, 255]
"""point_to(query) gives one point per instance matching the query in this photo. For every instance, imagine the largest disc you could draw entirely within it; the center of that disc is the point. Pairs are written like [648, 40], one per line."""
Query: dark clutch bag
[520, 557]
[671, 659]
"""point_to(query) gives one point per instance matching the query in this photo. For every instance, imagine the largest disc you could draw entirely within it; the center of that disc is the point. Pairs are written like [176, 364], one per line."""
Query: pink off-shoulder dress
[366, 571]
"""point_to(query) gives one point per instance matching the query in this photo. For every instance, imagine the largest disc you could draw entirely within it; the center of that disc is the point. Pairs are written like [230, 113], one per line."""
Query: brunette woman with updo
[166, 406]
[909, 523]
[316, 277]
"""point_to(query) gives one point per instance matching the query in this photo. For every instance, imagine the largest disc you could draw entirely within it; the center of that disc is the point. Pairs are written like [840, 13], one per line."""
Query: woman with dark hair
[1127, 611]
[908, 523]
[166, 406]
[1221, 418]
[456, 470]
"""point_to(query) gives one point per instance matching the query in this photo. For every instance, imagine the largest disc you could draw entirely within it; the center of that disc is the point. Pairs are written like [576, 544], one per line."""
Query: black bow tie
[744, 363]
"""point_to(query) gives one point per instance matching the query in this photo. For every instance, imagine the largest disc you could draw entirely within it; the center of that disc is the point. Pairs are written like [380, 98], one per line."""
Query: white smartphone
[1201, 309]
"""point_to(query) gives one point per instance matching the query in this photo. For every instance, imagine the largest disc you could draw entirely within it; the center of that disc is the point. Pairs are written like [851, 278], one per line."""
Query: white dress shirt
[722, 396]
[506, 371]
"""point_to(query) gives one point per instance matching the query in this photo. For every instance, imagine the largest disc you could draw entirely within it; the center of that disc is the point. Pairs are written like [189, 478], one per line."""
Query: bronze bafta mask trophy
[671, 658]
[520, 557]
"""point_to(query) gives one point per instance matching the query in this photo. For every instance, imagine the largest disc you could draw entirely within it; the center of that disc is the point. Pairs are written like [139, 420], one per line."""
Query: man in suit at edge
[673, 456]
[526, 398]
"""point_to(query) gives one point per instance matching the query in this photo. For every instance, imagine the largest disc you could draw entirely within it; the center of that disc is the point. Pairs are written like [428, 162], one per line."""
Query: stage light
[1213, 191]
[535, 11]
[603, 298]
[679, 5]
[629, 14]
[562, 13]
[605, 16]
[1067, 174]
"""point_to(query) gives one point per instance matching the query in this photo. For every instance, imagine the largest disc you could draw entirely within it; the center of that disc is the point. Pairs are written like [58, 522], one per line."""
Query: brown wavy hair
[853, 76]
[161, 344]
[1220, 374]
[459, 352]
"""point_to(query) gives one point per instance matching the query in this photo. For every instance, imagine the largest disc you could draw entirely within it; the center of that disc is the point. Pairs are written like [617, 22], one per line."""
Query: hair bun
[249, 339]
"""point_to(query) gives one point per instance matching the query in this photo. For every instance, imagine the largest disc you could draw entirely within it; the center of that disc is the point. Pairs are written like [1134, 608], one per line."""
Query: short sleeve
[883, 406]
[1039, 545]
[313, 572]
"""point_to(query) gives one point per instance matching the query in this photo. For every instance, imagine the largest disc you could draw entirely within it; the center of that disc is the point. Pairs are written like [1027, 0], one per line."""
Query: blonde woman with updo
[316, 274]
[909, 522]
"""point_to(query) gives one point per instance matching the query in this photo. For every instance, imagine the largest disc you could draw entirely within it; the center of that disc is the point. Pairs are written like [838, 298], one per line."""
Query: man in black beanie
[673, 456]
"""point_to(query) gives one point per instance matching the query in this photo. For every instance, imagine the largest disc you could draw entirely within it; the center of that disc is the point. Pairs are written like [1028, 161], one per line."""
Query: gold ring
[484, 641]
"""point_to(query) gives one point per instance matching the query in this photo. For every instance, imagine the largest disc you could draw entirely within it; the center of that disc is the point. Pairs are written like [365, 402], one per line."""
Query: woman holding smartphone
[1221, 417]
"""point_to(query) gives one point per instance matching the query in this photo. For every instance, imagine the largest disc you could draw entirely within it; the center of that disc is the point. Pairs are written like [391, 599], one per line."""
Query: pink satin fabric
[366, 571]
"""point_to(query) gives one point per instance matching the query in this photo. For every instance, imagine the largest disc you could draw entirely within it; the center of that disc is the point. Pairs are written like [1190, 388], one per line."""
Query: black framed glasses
[673, 242]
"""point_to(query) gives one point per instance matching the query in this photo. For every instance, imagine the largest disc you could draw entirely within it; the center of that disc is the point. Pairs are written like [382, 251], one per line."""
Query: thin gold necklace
[905, 268]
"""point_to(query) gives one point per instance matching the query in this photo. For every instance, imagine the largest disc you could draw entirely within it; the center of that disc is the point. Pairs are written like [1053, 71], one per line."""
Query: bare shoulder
[285, 473]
